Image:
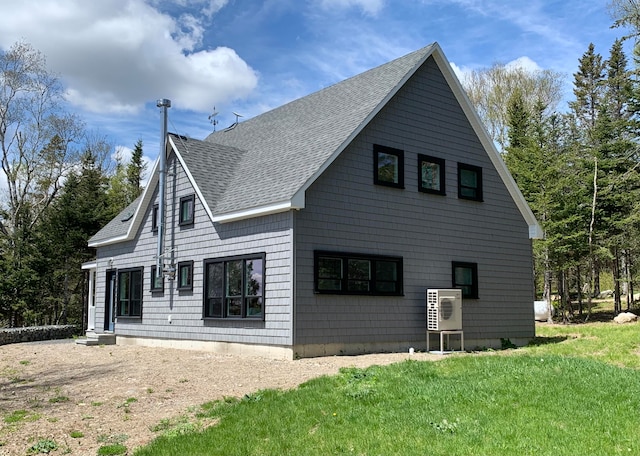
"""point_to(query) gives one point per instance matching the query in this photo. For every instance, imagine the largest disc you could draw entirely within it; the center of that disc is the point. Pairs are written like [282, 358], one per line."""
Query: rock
[605, 294]
[625, 317]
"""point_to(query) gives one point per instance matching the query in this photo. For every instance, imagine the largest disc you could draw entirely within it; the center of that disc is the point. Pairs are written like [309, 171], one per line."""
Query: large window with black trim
[358, 274]
[388, 166]
[130, 292]
[469, 182]
[431, 174]
[234, 287]
[465, 277]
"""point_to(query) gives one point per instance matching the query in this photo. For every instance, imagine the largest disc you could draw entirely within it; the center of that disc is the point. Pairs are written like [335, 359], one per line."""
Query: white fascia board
[90, 265]
[191, 179]
[137, 215]
[108, 241]
[535, 230]
[257, 211]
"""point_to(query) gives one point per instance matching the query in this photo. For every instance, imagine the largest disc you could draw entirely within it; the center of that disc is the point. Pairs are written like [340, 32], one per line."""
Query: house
[316, 228]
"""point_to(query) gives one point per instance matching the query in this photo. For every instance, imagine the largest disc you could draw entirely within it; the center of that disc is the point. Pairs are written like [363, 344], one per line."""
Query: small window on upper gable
[469, 182]
[431, 175]
[388, 166]
[154, 218]
[187, 204]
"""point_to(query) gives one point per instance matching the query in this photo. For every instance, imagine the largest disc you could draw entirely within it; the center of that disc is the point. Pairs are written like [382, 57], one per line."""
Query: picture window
[358, 274]
[234, 287]
[130, 292]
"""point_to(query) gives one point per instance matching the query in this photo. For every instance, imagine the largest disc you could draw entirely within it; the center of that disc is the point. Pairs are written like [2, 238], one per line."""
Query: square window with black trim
[431, 174]
[465, 277]
[469, 182]
[157, 283]
[187, 204]
[129, 292]
[358, 274]
[234, 287]
[388, 166]
[154, 218]
[185, 275]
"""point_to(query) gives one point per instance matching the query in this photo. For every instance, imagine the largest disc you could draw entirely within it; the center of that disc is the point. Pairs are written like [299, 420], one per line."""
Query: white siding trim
[257, 211]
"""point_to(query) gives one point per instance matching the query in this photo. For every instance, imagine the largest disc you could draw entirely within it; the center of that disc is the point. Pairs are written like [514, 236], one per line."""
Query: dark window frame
[188, 221]
[155, 209]
[244, 296]
[441, 173]
[399, 153]
[184, 286]
[152, 282]
[348, 285]
[469, 291]
[131, 313]
[478, 187]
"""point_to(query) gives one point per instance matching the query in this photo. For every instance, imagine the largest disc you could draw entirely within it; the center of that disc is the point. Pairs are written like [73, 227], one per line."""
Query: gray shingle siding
[346, 212]
[315, 154]
[269, 234]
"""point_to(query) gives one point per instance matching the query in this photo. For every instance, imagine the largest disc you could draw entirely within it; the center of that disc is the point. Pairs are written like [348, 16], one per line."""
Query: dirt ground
[85, 397]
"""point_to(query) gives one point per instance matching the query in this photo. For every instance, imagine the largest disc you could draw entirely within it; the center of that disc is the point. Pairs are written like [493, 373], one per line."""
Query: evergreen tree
[589, 89]
[79, 212]
[135, 172]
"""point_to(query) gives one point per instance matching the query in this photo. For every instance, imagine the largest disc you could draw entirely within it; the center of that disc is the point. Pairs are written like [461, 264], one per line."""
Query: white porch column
[91, 297]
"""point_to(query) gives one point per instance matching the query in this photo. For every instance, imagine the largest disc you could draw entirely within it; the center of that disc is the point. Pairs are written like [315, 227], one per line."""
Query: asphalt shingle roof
[119, 225]
[268, 160]
[276, 153]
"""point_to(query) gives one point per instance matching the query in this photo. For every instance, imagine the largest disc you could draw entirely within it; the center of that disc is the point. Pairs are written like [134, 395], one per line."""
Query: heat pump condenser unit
[444, 309]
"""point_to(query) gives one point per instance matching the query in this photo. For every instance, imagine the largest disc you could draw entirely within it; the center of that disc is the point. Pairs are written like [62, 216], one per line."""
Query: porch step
[97, 339]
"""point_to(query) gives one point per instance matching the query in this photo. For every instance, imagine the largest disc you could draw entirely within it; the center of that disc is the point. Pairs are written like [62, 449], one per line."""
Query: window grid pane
[235, 288]
[186, 210]
[130, 293]
[430, 175]
[364, 275]
[388, 168]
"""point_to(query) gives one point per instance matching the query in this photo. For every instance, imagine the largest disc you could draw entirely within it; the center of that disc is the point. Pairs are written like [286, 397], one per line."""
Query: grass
[573, 391]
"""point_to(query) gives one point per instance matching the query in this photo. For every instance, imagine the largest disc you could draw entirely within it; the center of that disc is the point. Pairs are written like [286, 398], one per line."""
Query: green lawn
[575, 391]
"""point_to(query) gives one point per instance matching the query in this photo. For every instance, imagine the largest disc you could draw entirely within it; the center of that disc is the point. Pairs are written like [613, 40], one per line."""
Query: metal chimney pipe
[163, 104]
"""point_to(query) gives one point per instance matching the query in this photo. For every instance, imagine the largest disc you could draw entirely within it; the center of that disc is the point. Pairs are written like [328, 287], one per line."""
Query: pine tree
[135, 172]
[79, 212]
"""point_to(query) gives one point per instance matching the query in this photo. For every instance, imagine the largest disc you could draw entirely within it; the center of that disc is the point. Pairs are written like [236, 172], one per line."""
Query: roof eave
[108, 241]
[295, 203]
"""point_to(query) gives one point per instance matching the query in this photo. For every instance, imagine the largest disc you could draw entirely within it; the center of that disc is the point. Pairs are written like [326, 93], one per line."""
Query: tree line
[578, 169]
[58, 186]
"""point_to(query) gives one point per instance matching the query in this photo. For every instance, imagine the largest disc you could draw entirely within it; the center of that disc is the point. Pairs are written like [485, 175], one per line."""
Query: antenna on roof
[233, 125]
[212, 118]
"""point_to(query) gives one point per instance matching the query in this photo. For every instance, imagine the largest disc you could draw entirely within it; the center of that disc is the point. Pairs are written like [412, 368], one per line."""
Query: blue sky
[117, 57]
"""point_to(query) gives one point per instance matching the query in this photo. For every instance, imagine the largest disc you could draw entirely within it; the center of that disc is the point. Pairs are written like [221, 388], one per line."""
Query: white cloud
[116, 55]
[461, 72]
[524, 63]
